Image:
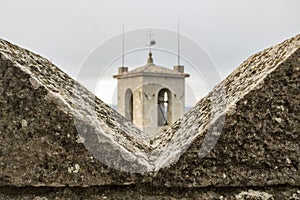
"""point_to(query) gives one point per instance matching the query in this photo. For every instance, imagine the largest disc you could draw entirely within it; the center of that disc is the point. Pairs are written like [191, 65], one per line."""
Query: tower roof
[151, 69]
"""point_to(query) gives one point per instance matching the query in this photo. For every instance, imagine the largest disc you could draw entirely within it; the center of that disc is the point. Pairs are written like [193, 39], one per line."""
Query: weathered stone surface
[46, 119]
[259, 144]
[53, 132]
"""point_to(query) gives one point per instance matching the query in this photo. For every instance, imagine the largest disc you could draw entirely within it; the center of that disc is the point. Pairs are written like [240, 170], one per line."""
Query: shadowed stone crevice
[244, 134]
[143, 192]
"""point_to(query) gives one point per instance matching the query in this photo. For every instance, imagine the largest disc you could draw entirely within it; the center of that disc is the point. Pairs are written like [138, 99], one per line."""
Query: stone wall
[241, 141]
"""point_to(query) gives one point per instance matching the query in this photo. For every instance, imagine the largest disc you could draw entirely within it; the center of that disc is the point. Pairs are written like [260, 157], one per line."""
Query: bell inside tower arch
[164, 107]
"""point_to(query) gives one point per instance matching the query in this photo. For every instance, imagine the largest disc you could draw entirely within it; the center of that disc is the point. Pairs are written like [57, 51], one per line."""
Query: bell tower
[151, 96]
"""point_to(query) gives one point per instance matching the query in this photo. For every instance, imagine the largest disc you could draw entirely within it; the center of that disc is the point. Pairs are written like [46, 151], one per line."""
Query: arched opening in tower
[164, 109]
[129, 105]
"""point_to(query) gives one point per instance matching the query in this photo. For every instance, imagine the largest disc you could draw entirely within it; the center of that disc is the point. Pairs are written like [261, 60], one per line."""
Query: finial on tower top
[150, 59]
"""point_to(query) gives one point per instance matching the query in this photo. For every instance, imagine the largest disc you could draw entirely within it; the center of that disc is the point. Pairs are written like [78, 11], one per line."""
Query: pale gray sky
[66, 31]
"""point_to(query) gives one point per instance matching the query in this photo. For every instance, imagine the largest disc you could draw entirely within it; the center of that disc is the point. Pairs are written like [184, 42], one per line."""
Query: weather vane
[151, 41]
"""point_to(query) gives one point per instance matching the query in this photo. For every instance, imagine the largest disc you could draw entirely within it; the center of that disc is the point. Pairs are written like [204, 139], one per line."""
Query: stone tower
[151, 96]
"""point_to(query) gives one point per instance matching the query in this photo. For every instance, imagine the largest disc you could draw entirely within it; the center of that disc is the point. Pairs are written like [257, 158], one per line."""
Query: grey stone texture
[241, 141]
[259, 142]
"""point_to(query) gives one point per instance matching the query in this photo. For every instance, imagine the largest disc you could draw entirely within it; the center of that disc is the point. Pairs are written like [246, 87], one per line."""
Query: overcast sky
[67, 31]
